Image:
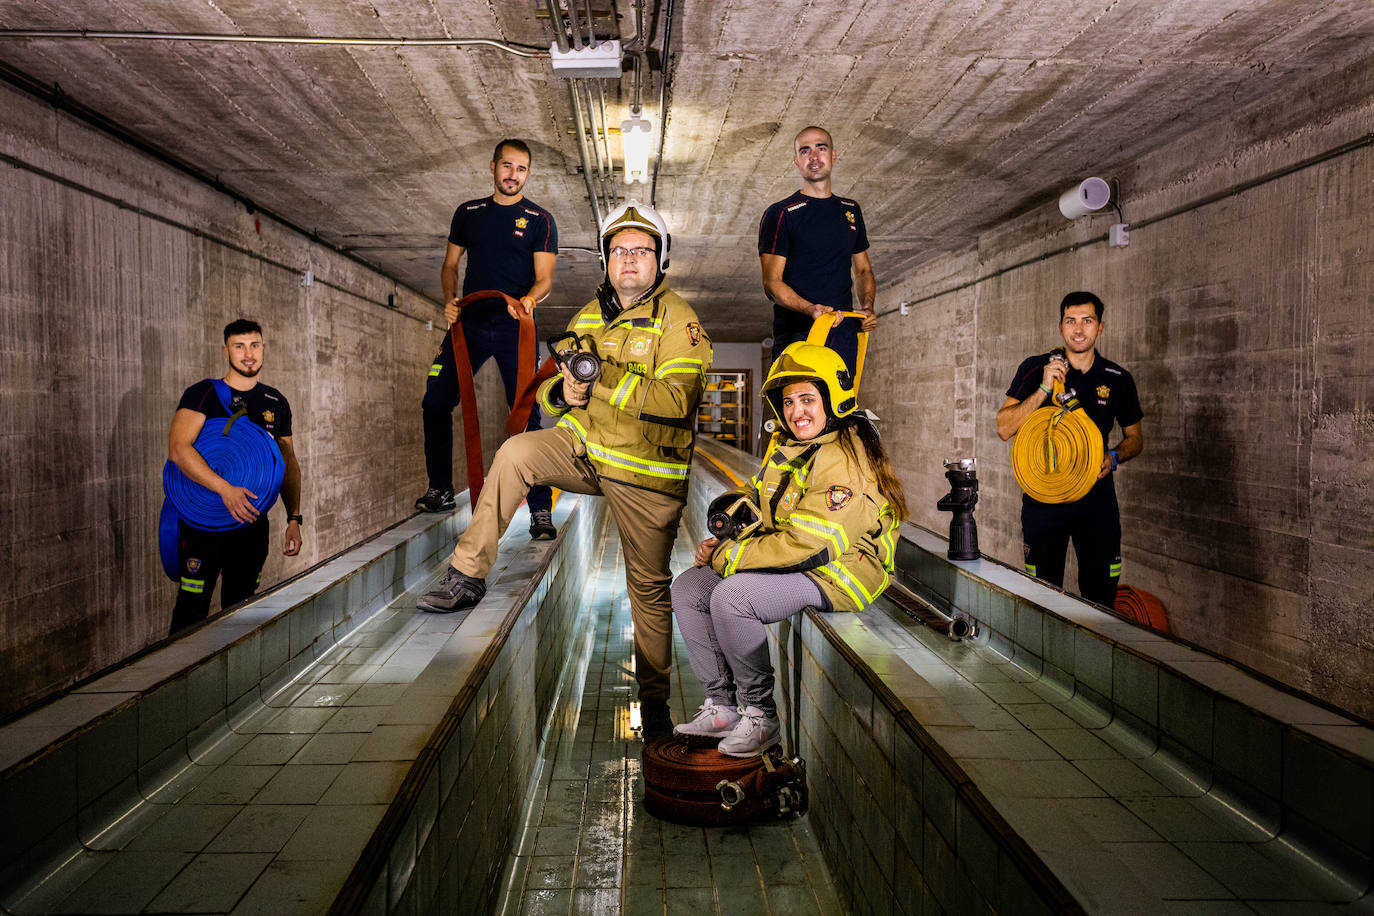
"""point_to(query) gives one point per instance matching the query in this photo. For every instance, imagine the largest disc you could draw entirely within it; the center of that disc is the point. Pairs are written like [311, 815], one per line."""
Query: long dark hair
[857, 426]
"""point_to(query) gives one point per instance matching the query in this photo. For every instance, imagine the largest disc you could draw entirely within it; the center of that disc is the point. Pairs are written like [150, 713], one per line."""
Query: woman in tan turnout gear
[828, 505]
[626, 436]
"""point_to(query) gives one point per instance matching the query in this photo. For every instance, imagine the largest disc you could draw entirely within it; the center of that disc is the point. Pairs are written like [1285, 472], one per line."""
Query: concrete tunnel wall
[1248, 324]
[117, 276]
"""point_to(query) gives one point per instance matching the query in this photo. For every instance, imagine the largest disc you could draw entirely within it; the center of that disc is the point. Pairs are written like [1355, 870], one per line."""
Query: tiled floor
[590, 847]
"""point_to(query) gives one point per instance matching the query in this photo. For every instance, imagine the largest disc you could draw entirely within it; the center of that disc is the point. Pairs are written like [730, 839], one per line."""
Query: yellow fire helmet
[635, 215]
[809, 362]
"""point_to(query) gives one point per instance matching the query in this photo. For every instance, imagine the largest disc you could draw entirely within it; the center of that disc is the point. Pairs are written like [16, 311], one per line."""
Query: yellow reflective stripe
[681, 366]
[569, 422]
[588, 322]
[818, 526]
[435, 369]
[654, 326]
[621, 396]
[886, 539]
[733, 555]
[1114, 570]
[848, 584]
[544, 401]
[669, 470]
[1030, 568]
[194, 586]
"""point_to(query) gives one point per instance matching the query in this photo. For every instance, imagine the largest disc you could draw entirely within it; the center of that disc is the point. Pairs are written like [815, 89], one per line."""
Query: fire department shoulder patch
[837, 496]
[521, 223]
[1103, 391]
[268, 416]
[694, 332]
[192, 564]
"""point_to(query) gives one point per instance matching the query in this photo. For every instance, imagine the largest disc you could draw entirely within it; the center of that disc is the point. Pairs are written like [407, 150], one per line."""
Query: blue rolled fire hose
[167, 541]
[244, 454]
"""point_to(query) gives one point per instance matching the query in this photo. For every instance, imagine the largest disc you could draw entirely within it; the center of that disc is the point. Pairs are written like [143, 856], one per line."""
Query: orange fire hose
[527, 381]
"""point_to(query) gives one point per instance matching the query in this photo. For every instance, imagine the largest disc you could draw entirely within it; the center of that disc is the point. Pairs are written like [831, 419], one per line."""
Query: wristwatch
[298, 519]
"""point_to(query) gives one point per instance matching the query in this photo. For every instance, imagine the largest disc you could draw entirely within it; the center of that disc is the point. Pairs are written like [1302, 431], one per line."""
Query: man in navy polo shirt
[808, 245]
[511, 244]
[235, 557]
[1108, 395]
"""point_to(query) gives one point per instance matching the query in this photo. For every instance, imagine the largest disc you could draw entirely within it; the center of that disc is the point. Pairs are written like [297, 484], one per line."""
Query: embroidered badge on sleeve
[837, 496]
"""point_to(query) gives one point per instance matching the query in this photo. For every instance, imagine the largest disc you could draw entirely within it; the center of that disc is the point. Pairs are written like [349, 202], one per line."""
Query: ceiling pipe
[560, 30]
[611, 186]
[591, 27]
[576, 102]
[666, 57]
[602, 166]
[573, 27]
[91, 35]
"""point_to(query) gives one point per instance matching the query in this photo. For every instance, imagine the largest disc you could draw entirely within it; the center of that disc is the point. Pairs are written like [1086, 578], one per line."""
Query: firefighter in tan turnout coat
[626, 436]
[828, 505]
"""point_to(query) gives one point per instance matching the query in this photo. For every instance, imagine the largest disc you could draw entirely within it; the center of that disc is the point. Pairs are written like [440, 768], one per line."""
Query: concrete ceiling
[948, 115]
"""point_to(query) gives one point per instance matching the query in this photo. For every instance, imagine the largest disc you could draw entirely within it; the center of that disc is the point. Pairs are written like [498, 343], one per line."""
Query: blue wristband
[1112, 452]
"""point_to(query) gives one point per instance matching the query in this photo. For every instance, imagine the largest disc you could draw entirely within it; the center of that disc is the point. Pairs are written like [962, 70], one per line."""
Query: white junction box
[587, 63]
[1119, 235]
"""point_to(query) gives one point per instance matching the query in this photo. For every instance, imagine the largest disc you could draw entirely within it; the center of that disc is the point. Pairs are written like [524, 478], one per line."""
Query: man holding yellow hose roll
[1106, 393]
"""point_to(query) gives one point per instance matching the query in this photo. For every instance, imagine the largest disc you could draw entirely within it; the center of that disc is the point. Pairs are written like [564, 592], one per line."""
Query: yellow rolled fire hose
[1058, 452]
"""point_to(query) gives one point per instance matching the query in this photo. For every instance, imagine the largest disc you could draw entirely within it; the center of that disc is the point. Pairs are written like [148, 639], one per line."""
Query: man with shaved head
[809, 244]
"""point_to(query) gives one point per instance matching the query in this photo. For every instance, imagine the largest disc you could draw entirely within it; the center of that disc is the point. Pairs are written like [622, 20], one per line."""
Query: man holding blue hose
[238, 554]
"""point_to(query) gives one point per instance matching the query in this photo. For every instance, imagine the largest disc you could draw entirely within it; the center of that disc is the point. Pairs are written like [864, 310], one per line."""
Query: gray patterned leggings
[722, 622]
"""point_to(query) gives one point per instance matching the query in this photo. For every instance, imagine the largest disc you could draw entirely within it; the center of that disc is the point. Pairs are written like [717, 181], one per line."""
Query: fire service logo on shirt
[521, 223]
[1103, 391]
[193, 565]
[693, 333]
[268, 416]
[849, 215]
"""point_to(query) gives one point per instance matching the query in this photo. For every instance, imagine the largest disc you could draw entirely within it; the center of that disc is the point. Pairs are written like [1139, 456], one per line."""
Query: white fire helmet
[634, 215]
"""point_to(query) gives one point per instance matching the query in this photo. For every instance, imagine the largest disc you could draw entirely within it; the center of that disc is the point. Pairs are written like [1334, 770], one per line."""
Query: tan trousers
[647, 522]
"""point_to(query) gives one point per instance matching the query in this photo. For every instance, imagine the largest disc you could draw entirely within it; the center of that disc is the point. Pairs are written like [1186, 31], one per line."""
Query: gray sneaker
[456, 592]
[754, 733]
[712, 721]
[541, 525]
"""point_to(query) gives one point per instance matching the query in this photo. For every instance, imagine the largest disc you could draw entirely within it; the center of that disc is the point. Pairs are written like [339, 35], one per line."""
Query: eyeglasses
[618, 252]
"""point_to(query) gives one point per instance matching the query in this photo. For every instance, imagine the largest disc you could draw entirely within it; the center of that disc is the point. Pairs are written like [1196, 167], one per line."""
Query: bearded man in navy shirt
[809, 244]
[511, 244]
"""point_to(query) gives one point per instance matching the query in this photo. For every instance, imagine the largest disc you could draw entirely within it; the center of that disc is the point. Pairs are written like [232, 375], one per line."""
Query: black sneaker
[654, 719]
[456, 592]
[435, 501]
[541, 525]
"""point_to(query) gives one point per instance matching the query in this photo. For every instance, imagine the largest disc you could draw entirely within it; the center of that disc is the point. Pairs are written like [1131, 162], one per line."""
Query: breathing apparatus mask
[732, 516]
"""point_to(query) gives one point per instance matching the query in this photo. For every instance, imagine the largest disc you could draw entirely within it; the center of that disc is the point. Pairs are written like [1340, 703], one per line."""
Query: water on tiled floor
[590, 847]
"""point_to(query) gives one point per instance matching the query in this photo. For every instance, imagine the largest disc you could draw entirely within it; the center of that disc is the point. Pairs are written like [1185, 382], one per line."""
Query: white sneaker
[755, 732]
[711, 721]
